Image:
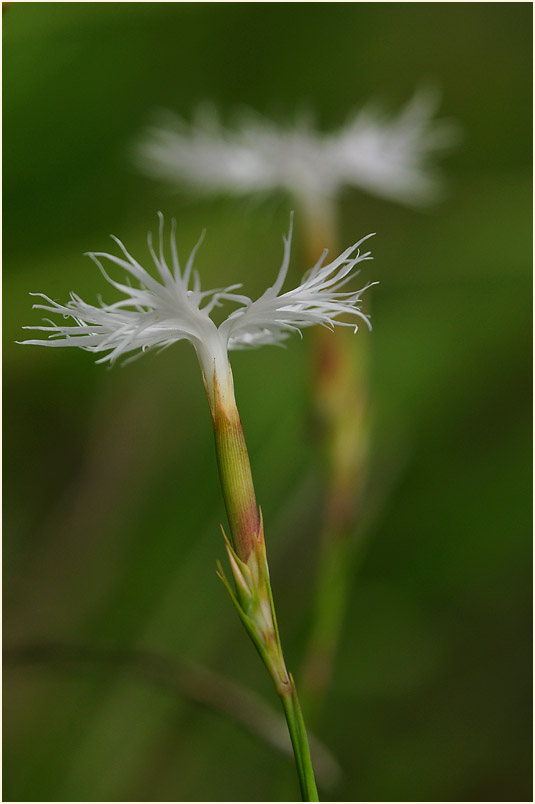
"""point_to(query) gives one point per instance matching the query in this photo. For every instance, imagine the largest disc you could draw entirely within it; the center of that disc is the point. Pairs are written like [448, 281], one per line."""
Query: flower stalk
[235, 474]
[340, 399]
[252, 596]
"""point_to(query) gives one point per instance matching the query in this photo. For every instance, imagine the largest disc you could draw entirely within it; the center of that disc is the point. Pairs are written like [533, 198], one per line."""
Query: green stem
[252, 596]
[298, 736]
[308, 771]
[337, 562]
[294, 737]
[341, 406]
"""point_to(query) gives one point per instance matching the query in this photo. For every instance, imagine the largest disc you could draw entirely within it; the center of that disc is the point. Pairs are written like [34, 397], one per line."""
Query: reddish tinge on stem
[235, 473]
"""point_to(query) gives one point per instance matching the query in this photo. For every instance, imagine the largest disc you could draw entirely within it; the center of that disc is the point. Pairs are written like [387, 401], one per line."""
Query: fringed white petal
[389, 156]
[164, 309]
[318, 300]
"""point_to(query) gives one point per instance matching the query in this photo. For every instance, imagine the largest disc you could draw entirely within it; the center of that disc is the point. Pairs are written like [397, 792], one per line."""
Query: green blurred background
[111, 496]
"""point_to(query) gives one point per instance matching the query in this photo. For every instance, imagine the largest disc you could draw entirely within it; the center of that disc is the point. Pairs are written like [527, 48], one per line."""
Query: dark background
[111, 497]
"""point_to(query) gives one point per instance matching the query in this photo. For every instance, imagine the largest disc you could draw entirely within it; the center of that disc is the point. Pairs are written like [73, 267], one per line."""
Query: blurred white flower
[386, 156]
[172, 307]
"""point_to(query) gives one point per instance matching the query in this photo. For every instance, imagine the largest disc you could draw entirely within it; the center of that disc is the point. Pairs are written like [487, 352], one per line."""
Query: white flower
[389, 157]
[172, 307]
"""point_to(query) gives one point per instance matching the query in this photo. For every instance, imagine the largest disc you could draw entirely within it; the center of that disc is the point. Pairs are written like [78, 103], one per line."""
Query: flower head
[160, 308]
[385, 156]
